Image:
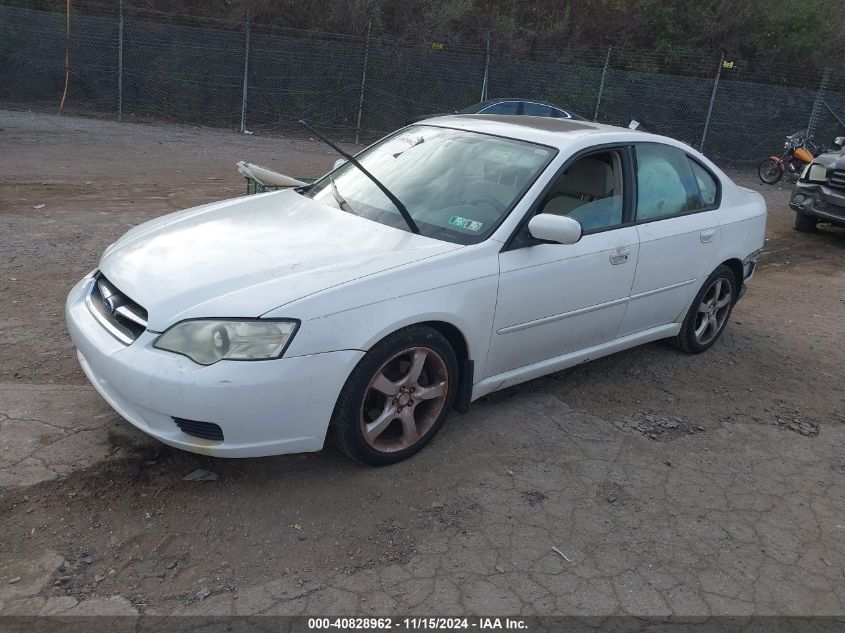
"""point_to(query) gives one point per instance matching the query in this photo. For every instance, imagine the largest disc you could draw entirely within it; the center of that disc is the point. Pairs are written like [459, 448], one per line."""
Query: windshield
[457, 185]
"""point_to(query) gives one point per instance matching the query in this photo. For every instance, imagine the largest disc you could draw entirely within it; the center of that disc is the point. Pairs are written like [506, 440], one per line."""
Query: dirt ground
[672, 484]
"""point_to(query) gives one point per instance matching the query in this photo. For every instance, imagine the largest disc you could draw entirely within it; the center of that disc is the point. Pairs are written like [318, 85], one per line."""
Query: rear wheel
[805, 223]
[769, 171]
[708, 313]
[397, 397]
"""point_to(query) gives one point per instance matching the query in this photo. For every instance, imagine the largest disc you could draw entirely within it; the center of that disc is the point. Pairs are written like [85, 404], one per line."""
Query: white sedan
[456, 257]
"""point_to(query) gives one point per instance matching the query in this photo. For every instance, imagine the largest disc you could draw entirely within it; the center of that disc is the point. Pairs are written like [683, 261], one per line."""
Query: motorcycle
[798, 151]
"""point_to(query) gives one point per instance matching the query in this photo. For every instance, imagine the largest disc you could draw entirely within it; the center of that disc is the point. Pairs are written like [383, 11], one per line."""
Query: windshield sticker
[464, 223]
[401, 144]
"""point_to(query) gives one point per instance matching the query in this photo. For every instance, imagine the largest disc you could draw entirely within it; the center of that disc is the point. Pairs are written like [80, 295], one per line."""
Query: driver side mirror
[554, 228]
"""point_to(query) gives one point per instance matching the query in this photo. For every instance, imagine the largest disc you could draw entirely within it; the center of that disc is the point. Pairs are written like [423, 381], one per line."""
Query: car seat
[583, 194]
[587, 180]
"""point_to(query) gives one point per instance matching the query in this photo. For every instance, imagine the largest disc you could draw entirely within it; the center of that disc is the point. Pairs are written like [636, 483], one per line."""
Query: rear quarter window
[706, 183]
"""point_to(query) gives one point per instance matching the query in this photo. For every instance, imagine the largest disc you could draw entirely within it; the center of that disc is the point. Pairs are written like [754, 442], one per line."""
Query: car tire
[805, 223]
[381, 416]
[709, 313]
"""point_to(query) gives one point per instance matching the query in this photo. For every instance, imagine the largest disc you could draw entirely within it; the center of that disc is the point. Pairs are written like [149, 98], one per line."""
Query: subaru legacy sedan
[453, 258]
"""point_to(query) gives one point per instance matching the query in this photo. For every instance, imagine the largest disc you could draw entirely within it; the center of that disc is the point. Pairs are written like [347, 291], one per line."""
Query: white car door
[553, 298]
[678, 234]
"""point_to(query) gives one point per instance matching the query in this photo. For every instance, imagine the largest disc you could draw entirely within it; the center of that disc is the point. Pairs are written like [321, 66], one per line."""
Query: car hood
[244, 257]
[831, 159]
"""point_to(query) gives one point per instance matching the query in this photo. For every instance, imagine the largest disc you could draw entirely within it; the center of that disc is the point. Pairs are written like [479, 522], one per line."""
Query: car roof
[565, 135]
[558, 133]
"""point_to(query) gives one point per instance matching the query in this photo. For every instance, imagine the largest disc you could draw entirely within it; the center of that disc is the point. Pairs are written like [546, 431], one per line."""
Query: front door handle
[707, 235]
[619, 255]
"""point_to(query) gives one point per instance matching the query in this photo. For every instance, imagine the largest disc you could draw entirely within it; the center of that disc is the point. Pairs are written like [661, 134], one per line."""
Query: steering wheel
[496, 205]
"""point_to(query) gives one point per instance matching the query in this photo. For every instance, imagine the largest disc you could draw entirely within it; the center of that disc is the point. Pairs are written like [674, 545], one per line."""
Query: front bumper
[263, 407]
[818, 200]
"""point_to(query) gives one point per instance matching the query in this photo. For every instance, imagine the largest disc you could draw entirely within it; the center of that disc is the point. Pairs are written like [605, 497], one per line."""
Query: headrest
[588, 177]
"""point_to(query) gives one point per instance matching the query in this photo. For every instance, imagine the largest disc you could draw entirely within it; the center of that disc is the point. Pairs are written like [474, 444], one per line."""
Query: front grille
[205, 430]
[837, 179]
[120, 315]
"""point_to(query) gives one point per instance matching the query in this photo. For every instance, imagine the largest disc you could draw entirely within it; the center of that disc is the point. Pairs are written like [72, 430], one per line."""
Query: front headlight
[207, 341]
[817, 173]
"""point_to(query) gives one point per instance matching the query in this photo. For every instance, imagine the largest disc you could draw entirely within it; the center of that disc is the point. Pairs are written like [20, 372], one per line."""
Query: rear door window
[666, 185]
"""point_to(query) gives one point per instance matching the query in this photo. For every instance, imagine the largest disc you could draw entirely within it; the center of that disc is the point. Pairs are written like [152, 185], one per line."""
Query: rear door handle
[619, 255]
[707, 235]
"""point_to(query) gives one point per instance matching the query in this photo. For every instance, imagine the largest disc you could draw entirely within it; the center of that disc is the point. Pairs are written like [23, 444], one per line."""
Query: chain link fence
[241, 75]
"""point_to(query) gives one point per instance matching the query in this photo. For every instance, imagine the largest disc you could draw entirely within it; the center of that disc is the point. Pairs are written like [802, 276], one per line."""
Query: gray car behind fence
[148, 65]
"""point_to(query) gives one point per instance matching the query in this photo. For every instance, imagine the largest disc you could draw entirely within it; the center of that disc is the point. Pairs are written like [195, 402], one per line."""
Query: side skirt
[551, 365]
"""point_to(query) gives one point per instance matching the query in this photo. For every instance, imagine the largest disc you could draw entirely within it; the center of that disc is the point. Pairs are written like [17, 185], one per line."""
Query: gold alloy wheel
[404, 400]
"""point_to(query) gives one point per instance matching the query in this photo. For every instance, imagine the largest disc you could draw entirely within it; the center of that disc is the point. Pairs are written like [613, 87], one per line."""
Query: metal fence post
[120, 63]
[246, 74]
[601, 83]
[833, 114]
[712, 101]
[817, 102]
[484, 83]
[363, 81]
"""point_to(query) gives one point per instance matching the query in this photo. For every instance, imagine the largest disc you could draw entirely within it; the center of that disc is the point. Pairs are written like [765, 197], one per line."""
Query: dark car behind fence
[242, 75]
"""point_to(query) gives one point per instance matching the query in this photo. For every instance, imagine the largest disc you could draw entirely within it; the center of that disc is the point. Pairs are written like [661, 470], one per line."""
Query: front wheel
[805, 223]
[397, 397]
[769, 171]
[708, 313]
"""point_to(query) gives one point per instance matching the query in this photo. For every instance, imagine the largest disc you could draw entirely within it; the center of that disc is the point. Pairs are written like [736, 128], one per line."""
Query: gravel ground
[673, 484]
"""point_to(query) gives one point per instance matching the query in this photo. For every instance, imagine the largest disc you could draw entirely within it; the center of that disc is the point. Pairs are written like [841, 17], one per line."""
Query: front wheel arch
[466, 365]
[459, 342]
[353, 400]
[453, 335]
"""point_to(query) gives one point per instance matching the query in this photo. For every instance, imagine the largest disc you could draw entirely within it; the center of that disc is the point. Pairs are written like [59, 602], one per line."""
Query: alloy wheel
[713, 311]
[404, 399]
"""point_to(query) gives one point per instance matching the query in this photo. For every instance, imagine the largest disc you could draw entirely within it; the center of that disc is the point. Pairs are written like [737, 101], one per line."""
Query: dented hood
[244, 257]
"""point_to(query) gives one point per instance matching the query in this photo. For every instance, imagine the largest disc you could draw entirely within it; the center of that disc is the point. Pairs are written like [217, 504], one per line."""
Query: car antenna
[403, 210]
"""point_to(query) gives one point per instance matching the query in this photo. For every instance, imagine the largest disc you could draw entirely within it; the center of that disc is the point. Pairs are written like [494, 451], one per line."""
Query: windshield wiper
[341, 201]
[403, 210]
